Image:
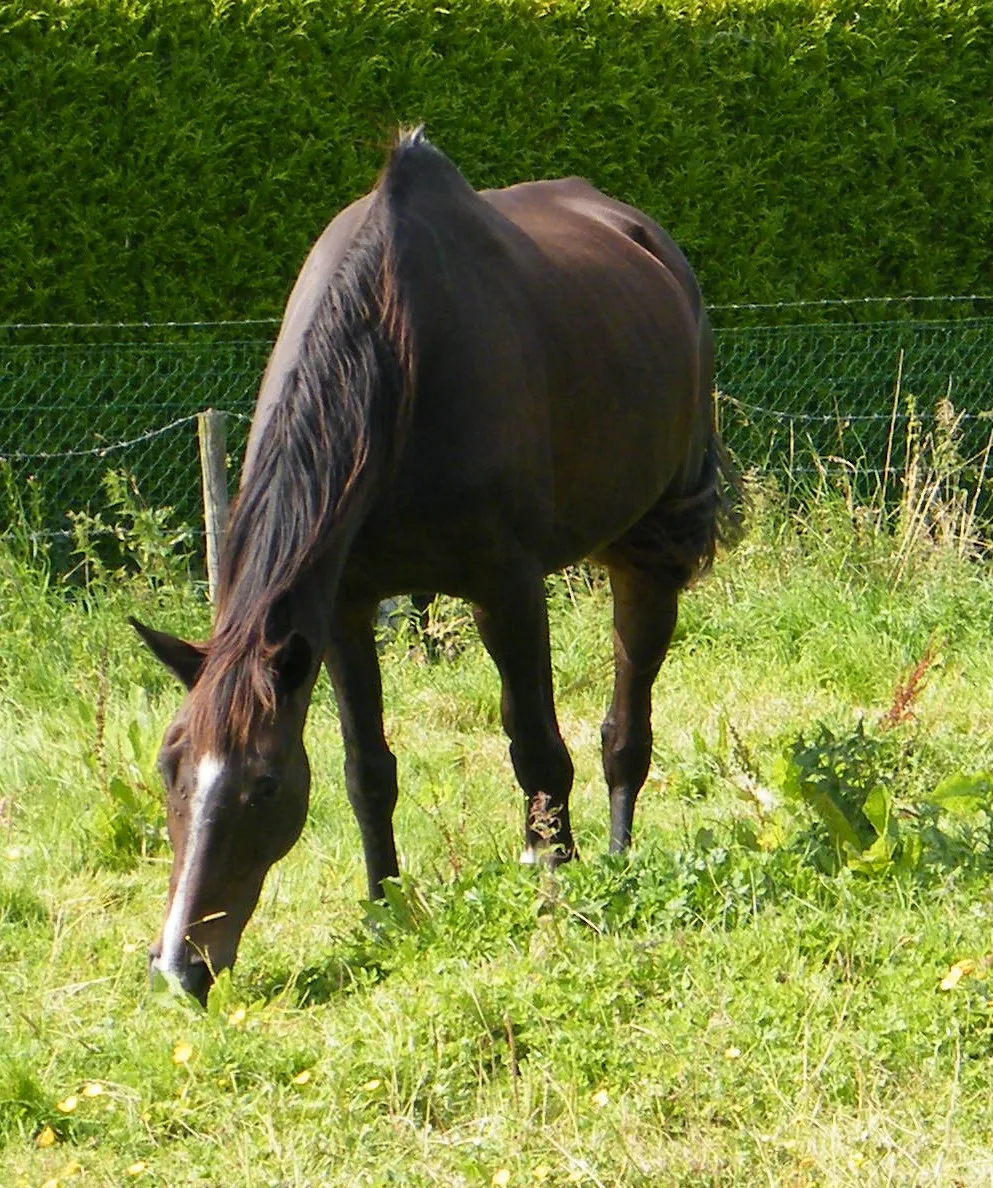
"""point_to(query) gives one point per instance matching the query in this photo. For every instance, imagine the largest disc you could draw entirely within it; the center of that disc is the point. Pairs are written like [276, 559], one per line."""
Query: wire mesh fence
[800, 385]
[88, 400]
[795, 397]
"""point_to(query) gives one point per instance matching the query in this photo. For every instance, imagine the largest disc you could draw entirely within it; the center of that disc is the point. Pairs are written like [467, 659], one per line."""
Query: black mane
[329, 431]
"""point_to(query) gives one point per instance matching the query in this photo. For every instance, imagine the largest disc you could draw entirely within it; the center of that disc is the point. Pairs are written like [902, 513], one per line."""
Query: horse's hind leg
[645, 606]
[370, 768]
[513, 624]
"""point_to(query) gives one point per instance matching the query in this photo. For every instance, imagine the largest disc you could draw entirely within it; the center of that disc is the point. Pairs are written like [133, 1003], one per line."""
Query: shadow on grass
[395, 925]
[714, 882]
[335, 976]
[495, 909]
[355, 964]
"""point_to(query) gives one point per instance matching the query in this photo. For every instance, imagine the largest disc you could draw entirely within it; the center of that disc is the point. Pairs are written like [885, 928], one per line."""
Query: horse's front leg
[370, 767]
[513, 623]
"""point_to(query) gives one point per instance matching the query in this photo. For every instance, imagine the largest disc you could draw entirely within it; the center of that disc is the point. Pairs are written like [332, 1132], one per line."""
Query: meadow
[785, 983]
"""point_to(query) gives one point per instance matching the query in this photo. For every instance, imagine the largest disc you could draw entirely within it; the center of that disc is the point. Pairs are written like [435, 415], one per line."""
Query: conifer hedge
[173, 159]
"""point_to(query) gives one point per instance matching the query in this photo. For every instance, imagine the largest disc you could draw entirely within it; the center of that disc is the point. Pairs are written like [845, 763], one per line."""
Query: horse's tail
[725, 501]
[336, 425]
[678, 537]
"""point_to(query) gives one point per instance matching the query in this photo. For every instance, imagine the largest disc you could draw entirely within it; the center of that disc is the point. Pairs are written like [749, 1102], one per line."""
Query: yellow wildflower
[46, 1138]
[182, 1052]
[68, 1104]
[957, 972]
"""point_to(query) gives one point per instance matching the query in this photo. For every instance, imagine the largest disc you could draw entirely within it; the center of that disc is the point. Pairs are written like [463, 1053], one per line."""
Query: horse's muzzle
[194, 976]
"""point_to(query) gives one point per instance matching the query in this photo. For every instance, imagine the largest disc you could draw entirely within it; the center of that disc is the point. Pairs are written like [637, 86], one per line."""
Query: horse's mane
[333, 425]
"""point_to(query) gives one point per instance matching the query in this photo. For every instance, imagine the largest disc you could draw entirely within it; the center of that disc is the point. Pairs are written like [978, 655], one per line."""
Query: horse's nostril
[196, 979]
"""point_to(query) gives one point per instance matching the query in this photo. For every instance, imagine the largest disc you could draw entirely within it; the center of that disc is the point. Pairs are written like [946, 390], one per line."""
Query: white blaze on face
[209, 771]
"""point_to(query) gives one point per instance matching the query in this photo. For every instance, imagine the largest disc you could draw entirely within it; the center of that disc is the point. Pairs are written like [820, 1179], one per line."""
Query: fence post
[211, 430]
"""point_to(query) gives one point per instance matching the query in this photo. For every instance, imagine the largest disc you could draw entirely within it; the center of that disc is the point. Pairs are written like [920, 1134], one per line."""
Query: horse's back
[569, 203]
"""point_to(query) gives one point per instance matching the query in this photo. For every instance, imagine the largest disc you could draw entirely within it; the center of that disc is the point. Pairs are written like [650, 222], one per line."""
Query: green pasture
[785, 984]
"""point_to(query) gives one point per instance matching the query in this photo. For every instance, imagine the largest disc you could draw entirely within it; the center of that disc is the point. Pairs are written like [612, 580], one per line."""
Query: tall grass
[738, 1002]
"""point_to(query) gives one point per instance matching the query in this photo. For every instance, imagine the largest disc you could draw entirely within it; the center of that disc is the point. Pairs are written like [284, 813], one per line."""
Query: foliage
[852, 783]
[23, 518]
[841, 780]
[167, 161]
[138, 539]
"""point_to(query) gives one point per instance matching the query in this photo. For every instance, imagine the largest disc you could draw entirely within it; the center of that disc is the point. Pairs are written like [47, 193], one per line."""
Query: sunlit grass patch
[740, 1000]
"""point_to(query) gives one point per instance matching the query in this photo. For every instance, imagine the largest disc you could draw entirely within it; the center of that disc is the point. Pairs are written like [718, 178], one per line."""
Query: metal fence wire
[798, 398]
[802, 387]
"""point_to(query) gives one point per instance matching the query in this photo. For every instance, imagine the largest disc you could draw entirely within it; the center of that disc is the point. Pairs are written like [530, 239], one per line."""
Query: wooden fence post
[211, 430]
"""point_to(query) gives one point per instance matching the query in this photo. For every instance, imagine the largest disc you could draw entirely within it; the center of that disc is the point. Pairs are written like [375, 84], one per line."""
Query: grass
[732, 1004]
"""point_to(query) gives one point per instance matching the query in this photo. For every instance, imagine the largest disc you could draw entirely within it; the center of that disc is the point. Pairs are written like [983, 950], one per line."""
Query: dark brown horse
[468, 391]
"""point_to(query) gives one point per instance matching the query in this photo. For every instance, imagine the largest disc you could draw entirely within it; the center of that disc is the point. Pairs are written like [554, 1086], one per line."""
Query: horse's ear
[292, 663]
[183, 659]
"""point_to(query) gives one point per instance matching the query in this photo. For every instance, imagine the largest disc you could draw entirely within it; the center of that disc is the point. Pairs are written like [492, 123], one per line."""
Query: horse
[468, 391]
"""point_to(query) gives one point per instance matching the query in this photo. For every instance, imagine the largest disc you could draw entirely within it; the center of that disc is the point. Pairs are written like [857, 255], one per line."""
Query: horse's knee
[626, 765]
[371, 782]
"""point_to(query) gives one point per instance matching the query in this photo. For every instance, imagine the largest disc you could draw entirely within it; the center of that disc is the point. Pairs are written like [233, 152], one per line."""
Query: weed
[907, 692]
[138, 540]
[852, 782]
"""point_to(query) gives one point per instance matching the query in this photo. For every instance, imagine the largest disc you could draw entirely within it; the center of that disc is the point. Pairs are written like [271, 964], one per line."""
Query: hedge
[173, 159]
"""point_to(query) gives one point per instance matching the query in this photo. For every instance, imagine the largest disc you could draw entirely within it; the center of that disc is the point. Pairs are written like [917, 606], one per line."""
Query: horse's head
[236, 802]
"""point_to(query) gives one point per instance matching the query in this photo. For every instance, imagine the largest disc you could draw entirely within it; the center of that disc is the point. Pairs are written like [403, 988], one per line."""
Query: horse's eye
[266, 788]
